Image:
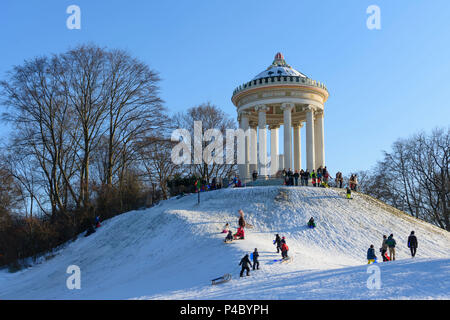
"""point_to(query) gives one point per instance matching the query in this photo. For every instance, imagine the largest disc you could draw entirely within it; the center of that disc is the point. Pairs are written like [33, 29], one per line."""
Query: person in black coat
[245, 261]
[412, 244]
[278, 242]
[255, 259]
[371, 257]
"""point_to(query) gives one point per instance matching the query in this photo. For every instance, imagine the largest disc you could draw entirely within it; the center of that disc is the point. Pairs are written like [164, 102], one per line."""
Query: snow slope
[171, 251]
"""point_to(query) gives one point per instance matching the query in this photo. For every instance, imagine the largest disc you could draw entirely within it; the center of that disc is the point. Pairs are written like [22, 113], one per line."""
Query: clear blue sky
[384, 84]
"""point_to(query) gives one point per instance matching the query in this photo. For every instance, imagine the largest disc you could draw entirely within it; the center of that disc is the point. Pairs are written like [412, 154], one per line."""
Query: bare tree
[415, 178]
[211, 117]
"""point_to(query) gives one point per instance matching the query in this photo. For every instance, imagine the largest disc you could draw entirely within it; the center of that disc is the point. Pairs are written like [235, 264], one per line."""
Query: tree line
[414, 177]
[89, 136]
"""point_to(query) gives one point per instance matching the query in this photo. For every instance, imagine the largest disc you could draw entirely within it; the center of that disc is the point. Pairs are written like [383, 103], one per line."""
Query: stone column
[319, 140]
[262, 141]
[310, 156]
[287, 108]
[243, 168]
[253, 148]
[297, 146]
[274, 150]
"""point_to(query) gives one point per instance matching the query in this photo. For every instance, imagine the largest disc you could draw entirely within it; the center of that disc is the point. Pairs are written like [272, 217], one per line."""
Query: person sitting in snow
[97, 222]
[226, 228]
[277, 241]
[229, 236]
[239, 234]
[371, 257]
[245, 261]
[311, 223]
[349, 193]
[284, 250]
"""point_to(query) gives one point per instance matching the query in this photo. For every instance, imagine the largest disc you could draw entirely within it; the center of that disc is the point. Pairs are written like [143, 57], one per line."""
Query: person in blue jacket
[371, 257]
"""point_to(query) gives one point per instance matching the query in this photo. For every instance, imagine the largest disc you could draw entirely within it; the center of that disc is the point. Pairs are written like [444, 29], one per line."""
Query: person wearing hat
[384, 248]
[255, 259]
[391, 245]
[371, 257]
[284, 249]
[412, 244]
[245, 261]
[277, 241]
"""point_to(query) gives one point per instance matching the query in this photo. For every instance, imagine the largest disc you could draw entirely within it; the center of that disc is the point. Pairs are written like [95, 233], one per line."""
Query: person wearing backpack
[391, 245]
[412, 244]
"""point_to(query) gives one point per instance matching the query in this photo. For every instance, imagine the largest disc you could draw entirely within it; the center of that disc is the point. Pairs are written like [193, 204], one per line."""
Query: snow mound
[173, 250]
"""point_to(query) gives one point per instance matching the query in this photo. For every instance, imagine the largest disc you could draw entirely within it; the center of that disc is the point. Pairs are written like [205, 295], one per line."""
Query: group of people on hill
[240, 233]
[389, 244]
[319, 177]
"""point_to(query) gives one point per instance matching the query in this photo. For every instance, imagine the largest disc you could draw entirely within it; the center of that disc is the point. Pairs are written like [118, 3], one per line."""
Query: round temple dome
[279, 67]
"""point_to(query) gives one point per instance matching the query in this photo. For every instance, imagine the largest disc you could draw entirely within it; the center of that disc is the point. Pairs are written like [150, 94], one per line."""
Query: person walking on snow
[255, 259]
[277, 241]
[391, 245]
[245, 261]
[412, 244]
[241, 219]
[284, 250]
[371, 257]
[384, 248]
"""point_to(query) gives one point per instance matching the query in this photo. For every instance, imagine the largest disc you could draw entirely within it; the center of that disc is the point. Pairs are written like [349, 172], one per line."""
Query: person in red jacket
[284, 250]
[239, 234]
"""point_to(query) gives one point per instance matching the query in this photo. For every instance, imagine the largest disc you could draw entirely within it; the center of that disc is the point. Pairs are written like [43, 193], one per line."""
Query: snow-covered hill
[173, 250]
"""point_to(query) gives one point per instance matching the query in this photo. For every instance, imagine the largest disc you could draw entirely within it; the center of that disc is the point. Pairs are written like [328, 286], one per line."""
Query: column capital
[261, 108]
[297, 125]
[318, 114]
[274, 126]
[287, 106]
[310, 108]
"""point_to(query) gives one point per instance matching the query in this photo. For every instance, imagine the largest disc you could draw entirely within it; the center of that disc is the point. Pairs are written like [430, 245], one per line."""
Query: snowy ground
[173, 250]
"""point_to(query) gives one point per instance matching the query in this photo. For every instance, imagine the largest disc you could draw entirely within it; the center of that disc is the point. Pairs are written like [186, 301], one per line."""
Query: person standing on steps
[255, 259]
[277, 241]
[412, 244]
[296, 175]
[245, 262]
[384, 248]
[391, 245]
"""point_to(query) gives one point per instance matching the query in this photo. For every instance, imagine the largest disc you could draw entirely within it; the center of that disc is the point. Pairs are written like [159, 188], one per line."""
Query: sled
[225, 278]
[287, 260]
[228, 241]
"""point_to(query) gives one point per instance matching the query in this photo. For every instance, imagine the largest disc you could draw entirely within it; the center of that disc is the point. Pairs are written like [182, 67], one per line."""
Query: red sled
[387, 257]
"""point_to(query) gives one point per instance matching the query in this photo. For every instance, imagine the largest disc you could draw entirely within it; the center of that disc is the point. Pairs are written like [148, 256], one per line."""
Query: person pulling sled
[277, 242]
[311, 223]
[245, 262]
